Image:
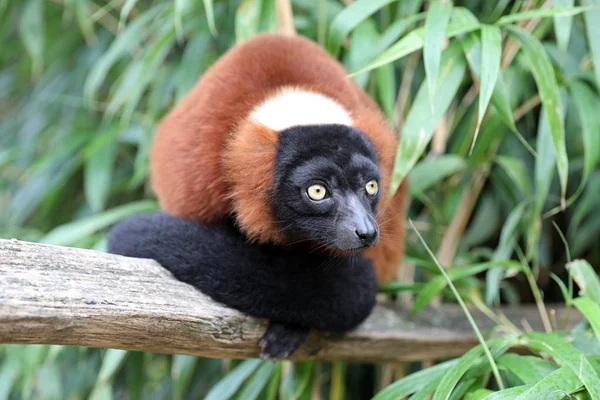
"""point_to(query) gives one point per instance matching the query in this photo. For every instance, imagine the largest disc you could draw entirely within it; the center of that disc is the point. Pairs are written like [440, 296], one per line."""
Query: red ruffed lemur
[273, 174]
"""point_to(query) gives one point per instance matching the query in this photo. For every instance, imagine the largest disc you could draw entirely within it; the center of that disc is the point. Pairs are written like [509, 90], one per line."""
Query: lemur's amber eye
[317, 192]
[372, 187]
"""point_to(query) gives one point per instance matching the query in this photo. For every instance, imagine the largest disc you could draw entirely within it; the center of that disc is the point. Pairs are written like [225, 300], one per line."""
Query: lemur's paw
[280, 341]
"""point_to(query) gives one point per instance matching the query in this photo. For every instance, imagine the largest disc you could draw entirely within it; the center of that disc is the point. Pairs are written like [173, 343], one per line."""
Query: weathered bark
[61, 295]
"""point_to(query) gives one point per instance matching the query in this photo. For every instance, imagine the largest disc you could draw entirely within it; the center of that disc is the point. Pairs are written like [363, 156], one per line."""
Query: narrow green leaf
[386, 87]
[349, 18]
[392, 33]
[586, 278]
[430, 171]
[414, 382]
[125, 11]
[68, 234]
[296, 381]
[464, 308]
[589, 115]
[540, 13]
[439, 283]
[507, 394]
[515, 169]
[421, 121]
[462, 21]
[210, 16]
[102, 392]
[50, 382]
[591, 17]
[562, 24]
[586, 204]
[10, 370]
[545, 78]
[591, 310]
[529, 369]
[271, 391]
[491, 50]
[83, 15]
[257, 382]
[98, 170]
[182, 371]
[111, 363]
[231, 382]
[508, 237]
[181, 7]
[436, 24]
[453, 375]
[472, 48]
[131, 36]
[134, 374]
[478, 394]
[360, 49]
[543, 172]
[555, 386]
[247, 19]
[32, 29]
[567, 355]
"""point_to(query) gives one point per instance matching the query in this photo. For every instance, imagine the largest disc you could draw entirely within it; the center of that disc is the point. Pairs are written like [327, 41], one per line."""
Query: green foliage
[497, 106]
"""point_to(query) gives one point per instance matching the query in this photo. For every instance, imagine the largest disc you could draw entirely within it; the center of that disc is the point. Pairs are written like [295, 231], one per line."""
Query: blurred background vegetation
[505, 208]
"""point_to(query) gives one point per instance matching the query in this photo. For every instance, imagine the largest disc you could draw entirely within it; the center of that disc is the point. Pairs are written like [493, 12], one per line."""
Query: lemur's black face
[326, 186]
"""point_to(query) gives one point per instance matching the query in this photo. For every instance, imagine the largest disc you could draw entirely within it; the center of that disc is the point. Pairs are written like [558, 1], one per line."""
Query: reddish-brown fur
[207, 160]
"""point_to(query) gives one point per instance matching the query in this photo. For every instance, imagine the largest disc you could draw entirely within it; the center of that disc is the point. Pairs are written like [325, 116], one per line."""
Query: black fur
[341, 159]
[294, 287]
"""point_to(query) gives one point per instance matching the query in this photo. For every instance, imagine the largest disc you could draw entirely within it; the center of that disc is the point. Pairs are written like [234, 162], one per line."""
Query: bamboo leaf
[210, 16]
[247, 19]
[68, 234]
[567, 355]
[453, 375]
[348, 19]
[127, 40]
[491, 50]
[437, 284]
[543, 74]
[515, 169]
[432, 170]
[591, 310]
[111, 362]
[49, 378]
[562, 24]
[98, 170]
[257, 382]
[507, 394]
[182, 371]
[125, 11]
[421, 121]
[231, 382]
[414, 382]
[436, 24]
[591, 17]
[462, 22]
[540, 13]
[386, 87]
[508, 237]
[32, 30]
[529, 369]
[555, 386]
[589, 115]
[586, 278]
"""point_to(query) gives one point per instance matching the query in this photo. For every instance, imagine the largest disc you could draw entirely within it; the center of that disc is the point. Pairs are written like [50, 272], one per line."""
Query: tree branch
[60, 295]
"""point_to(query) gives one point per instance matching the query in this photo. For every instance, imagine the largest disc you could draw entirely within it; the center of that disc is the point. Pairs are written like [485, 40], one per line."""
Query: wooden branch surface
[60, 295]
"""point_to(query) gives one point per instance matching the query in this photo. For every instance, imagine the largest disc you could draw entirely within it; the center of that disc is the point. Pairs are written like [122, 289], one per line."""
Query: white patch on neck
[294, 107]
